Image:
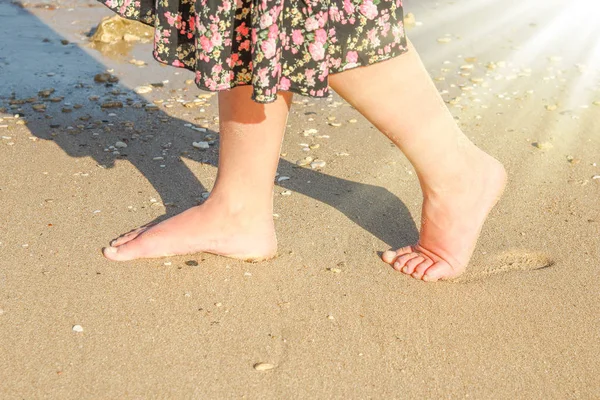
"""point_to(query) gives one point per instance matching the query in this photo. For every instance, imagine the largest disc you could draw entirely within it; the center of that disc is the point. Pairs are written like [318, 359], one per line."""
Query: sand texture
[325, 319]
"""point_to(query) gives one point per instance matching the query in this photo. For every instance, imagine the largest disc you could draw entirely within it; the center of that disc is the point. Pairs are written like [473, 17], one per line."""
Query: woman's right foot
[451, 222]
[209, 228]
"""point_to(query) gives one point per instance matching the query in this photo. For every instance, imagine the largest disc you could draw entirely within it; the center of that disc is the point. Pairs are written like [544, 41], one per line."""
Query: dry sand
[327, 313]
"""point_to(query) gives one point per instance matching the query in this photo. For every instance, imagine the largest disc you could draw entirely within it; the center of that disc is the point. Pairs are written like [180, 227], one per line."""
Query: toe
[128, 251]
[403, 259]
[439, 270]
[421, 268]
[410, 266]
[391, 255]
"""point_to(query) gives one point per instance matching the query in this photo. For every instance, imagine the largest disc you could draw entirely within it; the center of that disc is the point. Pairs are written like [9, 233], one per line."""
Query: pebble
[192, 263]
[205, 195]
[112, 104]
[286, 193]
[138, 63]
[336, 124]
[39, 107]
[261, 366]
[143, 89]
[551, 107]
[352, 121]
[46, 92]
[121, 145]
[596, 103]
[317, 164]
[151, 107]
[444, 39]
[305, 161]
[309, 132]
[543, 145]
[409, 19]
[195, 128]
[105, 77]
[201, 145]
[77, 328]
[283, 178]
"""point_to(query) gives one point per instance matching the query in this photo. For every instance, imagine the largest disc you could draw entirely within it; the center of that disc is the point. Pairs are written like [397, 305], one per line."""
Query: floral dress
[273, 45]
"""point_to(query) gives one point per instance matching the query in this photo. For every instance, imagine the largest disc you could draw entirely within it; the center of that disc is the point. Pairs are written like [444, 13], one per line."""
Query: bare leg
[460, 183]
[237, 218]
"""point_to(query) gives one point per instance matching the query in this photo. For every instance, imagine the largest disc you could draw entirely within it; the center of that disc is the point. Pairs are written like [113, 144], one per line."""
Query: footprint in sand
[508, 262]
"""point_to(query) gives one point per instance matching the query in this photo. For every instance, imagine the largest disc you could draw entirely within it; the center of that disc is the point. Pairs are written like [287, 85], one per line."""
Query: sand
[330, 317]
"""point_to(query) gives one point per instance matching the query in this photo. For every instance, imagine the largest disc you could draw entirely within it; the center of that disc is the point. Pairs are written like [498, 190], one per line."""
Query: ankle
[239, 206]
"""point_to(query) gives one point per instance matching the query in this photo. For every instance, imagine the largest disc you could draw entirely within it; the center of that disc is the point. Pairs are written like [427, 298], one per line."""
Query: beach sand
[332, 319]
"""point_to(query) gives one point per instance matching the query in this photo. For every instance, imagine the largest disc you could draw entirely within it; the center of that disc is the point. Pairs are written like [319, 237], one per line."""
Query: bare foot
[208, 228]
[451, 222]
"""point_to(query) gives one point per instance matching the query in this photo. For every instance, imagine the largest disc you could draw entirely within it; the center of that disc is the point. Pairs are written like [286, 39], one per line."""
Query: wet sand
[327, 313]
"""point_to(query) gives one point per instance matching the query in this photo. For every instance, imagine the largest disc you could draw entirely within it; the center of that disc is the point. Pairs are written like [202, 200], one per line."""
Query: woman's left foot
[451, 222]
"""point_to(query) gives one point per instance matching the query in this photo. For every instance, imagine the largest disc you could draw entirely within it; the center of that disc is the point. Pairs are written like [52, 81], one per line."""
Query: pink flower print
[268, 48]
[336, 62]
[321, 36]
[262, 76]
[216, 39]
[348, 7]
[170, 19]
[311, 24]
[351, 57]
[226, 5]
[297, 37]
[284, 83]
[232, 61]
[273, 31]
[266, 20]
[212, 85]
[242, 29]
[177, 63]
[317, 51]
[206, 44]
[245, 45]
[309, 73]
[368, 9]
[217, 68]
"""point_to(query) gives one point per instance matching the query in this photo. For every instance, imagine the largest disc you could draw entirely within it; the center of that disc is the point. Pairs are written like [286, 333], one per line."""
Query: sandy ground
[334, 320]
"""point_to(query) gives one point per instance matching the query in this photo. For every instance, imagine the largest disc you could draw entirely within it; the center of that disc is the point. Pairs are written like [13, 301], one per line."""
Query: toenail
[396, 265]
[405, 270]
[427, 278]
[111, 250]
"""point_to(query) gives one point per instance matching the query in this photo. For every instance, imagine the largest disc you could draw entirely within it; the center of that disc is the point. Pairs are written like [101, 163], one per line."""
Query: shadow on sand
[33, 58]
